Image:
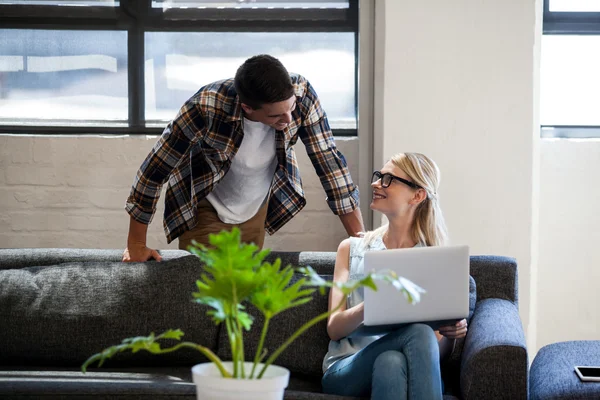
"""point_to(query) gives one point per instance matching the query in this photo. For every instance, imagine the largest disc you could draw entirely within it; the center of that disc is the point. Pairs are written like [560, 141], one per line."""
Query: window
[250, 4]
[126, 66]
[570, 82]
[574, 5]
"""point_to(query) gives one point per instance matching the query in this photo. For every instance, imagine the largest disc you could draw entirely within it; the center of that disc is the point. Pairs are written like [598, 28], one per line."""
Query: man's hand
[353, 222]
[140, 253]
[136, 244]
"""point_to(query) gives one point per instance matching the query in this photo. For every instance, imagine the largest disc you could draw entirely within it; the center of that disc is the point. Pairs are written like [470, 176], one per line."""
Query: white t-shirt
[242, 191]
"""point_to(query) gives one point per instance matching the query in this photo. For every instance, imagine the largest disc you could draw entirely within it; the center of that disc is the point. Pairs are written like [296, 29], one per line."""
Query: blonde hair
[429, 227]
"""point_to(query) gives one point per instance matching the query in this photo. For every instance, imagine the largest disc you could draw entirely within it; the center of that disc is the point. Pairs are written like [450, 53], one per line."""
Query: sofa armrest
[494, 360]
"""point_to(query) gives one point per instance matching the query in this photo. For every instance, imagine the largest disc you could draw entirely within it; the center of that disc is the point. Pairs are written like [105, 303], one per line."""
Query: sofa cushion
[172, 383]
[472, 296]
[62, 383]
[61, 314]
[305, 354]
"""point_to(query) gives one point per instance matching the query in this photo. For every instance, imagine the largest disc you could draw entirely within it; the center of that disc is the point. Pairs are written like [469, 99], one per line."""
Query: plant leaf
[135, 344]
[245, 319]
[174, 334]
[277, 294]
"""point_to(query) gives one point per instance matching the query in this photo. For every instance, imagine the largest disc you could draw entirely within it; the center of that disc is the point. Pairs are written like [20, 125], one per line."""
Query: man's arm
[353, 222]
[329, 163]
[167, 153]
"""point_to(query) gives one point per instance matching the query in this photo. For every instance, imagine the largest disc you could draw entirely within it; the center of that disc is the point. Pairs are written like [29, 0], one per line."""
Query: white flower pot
[210, 385]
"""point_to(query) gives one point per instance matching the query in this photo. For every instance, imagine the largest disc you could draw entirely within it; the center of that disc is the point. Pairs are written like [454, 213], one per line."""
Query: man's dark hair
[262, 79]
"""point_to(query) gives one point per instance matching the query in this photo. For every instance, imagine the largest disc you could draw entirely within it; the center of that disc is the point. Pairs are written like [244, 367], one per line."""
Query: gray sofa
[59, 306]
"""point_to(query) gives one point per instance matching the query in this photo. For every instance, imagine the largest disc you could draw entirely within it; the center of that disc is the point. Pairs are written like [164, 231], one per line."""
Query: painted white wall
[458, 85]
[569, 261]
[454, 80]
[67, 191]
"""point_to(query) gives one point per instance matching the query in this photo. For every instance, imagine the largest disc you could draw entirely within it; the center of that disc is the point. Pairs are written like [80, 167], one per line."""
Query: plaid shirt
[195, 151]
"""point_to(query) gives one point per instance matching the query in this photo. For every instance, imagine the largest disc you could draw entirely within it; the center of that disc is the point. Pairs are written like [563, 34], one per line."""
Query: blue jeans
[404, 364]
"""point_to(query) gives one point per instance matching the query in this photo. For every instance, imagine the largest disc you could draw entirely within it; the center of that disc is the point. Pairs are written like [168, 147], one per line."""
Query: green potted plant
[236, 274]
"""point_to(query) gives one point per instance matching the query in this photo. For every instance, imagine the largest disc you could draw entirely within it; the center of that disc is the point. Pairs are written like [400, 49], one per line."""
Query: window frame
[137, 17]
[570, 23]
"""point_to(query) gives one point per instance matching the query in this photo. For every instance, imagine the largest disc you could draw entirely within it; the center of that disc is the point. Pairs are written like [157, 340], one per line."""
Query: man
[229, 161]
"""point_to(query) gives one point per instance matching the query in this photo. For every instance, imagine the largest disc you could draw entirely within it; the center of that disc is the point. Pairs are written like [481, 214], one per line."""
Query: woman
[404, 363]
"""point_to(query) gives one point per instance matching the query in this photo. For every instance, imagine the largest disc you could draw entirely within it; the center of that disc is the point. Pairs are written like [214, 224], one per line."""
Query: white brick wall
[68, 191]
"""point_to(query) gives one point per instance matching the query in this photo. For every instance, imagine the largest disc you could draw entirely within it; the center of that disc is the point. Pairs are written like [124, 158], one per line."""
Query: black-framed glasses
[387, 178]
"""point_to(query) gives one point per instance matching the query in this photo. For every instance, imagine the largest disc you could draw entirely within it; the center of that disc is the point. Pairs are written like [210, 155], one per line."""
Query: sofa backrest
[61, 314]
[23, 258]
[321, 261]
[495, 276]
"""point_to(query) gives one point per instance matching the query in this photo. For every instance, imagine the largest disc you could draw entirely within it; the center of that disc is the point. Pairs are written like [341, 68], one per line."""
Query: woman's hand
[456, 331]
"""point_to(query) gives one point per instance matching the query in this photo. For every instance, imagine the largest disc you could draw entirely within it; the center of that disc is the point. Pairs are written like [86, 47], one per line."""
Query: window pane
[570, 81]
[178, 64]
[250, 3]
[57, 76]
[575, 5]
[79, 3]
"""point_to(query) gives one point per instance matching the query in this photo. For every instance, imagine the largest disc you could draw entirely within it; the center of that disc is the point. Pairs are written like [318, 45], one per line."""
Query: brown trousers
[253, 230]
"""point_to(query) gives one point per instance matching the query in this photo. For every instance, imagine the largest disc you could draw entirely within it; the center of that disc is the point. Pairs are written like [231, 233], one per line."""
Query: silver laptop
[442, 271]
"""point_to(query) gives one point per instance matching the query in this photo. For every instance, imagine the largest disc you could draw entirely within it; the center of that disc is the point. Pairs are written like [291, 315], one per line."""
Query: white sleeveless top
[339, 349]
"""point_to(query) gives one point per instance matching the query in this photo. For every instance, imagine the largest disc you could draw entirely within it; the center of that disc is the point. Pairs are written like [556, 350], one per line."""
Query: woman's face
[396, 199]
